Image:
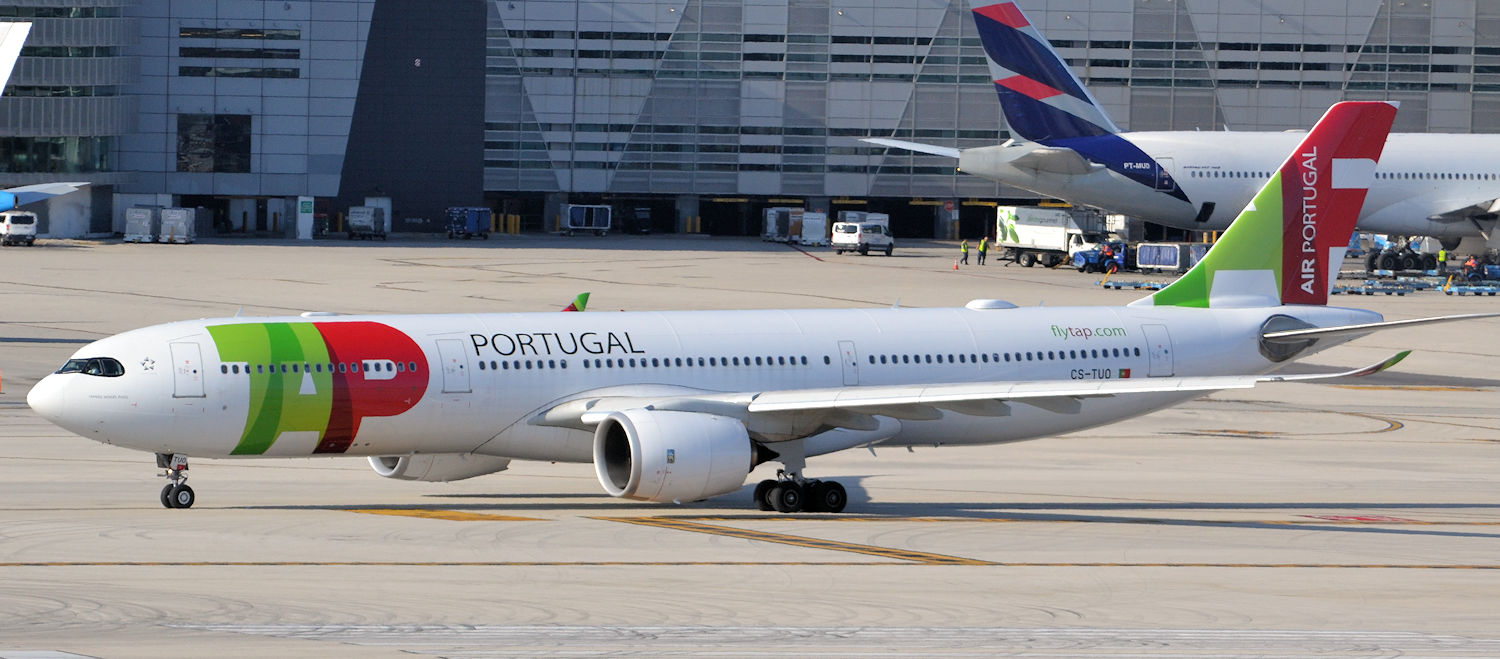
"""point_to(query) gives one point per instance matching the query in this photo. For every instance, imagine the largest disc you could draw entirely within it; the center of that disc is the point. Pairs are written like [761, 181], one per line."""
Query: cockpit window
[100, 366]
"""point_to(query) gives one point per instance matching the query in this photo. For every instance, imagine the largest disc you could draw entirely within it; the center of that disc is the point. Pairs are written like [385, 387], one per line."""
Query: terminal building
[666, 110]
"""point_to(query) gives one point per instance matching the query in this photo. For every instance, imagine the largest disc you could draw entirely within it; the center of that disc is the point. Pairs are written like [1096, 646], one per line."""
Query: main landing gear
[790, 493]
[176, 494]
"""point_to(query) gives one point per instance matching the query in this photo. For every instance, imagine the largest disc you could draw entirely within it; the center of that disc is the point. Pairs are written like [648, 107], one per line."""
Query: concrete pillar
[687, 208]
[554, 207]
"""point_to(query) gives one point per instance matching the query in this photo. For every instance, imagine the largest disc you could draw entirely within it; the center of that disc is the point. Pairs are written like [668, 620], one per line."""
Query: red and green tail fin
[578, 303]
[1287, 245]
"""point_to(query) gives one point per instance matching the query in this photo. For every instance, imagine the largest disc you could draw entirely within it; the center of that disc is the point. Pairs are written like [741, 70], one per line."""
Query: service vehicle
[17, 228]
[367, 222]
[469, 221]
[1030, 235]
[859, 231]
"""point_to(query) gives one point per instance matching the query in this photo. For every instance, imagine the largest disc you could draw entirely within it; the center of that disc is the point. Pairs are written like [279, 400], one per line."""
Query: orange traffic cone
[955, 264]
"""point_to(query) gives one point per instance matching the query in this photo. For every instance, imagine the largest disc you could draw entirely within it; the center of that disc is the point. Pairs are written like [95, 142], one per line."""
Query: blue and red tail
[1042, 99]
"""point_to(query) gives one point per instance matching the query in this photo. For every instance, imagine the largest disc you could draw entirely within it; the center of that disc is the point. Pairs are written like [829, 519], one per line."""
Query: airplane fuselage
[1426, 184]
[395, 385]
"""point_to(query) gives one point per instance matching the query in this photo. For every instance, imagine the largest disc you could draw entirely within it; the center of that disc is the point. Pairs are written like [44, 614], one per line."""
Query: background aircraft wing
[914, 146]
[856, 408]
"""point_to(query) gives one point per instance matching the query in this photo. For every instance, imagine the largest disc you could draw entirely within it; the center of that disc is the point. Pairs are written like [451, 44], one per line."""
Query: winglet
[1286, 246]
[578, 303]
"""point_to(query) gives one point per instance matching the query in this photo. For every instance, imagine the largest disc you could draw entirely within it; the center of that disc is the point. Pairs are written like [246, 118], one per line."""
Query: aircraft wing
[947, 151]
[856, 408]
[12, 37]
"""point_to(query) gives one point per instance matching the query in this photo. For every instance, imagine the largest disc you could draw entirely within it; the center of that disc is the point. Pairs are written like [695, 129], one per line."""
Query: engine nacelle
[671, 456]
[437, 467]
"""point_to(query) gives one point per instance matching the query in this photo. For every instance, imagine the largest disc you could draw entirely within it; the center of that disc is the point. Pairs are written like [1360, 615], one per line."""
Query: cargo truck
[1030, 235]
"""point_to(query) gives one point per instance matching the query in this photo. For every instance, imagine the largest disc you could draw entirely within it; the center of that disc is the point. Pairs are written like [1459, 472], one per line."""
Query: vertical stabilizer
[1042, 99]
[1287, 245]
[12, 37]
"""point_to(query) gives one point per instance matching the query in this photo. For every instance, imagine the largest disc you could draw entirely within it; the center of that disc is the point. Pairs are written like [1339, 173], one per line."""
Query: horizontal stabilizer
[946, 151]
[1355, 373]
[1056, 160]
[29, 194]
[1295, 336]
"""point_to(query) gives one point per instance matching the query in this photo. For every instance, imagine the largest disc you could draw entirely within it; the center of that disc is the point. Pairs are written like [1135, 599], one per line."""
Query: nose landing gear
[176, 494]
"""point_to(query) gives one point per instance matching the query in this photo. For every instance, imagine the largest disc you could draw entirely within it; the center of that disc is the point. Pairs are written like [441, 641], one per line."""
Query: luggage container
[782, 224]
[814, 229]
[584, 217]
[367, 222]
[178, 225]
[467, 222]
[1169, 257]
[142, 224]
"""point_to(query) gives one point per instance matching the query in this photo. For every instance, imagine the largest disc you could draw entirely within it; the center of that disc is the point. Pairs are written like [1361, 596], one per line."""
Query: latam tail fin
[1042, 99]
[12, 37]
[1287, 245]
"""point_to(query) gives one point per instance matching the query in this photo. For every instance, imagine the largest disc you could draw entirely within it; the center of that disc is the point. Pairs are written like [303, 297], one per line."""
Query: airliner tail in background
[1286, 246]
[1042, 99]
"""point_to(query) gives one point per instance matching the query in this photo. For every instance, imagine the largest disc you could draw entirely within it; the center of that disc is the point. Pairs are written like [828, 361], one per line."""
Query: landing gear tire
[166, 495]
[763, 495]
[827, 497]
[787, 497]
[182, 496]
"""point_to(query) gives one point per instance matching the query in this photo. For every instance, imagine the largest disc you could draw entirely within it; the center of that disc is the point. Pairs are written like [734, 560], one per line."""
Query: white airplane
[680, 406]
[12, 37]
[1065, 146]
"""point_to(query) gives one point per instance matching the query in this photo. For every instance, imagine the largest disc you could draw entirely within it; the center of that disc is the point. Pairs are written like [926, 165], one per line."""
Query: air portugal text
[554, 343]
[1309, 259]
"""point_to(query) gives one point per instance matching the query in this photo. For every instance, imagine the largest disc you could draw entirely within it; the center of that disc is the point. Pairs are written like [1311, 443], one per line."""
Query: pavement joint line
[997, 564]
[1068, 519]
[678, 524]
[450, 515]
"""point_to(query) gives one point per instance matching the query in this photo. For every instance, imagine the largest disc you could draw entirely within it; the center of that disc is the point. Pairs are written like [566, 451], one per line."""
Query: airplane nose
[46, 398]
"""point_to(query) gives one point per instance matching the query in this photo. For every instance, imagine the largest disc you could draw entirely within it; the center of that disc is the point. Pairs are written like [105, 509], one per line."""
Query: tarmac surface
[1344, 518]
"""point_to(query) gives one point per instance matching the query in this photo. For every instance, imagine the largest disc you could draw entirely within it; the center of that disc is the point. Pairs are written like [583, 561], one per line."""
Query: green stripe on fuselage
[277, 403]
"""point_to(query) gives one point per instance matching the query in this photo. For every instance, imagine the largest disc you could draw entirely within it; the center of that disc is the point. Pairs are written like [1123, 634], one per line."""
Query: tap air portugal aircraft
[12, 37]
[1065, 146]
[680, 406]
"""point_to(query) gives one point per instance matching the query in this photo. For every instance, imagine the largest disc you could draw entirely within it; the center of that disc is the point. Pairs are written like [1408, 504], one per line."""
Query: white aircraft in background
[12, 37]
[680, 406]
[1065, 146]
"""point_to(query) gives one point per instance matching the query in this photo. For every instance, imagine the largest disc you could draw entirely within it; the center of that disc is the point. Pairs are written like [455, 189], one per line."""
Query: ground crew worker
[984, 246]
[963, 250]
[1442, 261]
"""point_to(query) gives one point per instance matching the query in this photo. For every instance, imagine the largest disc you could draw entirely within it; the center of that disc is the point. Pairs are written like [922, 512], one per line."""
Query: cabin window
[481, 366]
[224, 369]
[551, 363]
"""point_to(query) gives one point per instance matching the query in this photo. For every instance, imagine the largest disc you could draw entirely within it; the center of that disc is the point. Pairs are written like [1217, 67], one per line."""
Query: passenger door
[1159, 347]
[187, 370]
[850, 359]
[455, 362]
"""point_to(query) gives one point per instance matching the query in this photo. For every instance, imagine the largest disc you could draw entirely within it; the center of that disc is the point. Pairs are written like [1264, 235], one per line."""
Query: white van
[17, 228]
[862, 237]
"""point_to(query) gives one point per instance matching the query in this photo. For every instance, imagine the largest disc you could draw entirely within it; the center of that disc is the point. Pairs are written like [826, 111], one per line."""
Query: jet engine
[665, 456]
[437, 467]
